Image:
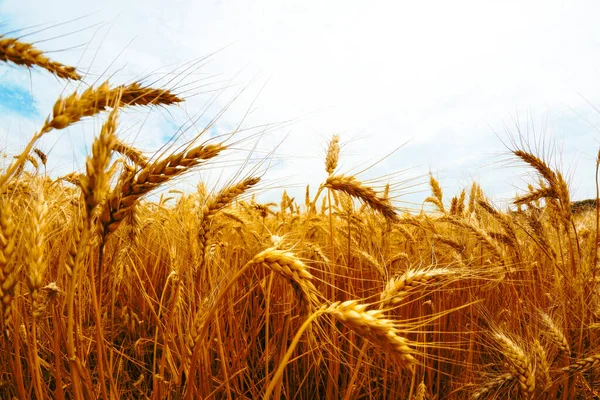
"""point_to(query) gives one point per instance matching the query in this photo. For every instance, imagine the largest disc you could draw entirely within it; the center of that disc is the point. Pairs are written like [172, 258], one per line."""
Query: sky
[447, 84]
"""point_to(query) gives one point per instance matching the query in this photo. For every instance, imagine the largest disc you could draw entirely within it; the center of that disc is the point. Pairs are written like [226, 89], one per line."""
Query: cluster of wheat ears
[106, 294]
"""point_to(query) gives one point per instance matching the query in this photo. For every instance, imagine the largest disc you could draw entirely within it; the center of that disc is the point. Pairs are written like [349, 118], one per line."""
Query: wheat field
[109, 294]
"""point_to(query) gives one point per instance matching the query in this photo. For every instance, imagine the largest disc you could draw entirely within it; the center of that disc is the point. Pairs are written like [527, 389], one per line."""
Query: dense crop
[214, 295]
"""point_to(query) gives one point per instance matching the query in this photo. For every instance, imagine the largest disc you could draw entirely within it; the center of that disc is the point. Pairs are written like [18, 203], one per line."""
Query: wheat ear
[20, 53]
[372, 325]
[73, 108]
[480, 235]
[333, 154]
[282, 262]
[437, 198]
[397, 288]
[354, 188]
[217, 203]
[286, 264]
[67, 111]
[95, 181]
[36, 260]
[133, 154]
[520, 363]
[557, 186]
[41, 155]
[503, 220]
[421, 391]
[542, 371]
[132, 185]
[555, 333]
[8, 268]
[582, 365]
[492, 384]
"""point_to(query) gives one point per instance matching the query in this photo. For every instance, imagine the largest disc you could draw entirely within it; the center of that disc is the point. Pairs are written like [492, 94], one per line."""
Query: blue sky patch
[17, 100]
[170, 130]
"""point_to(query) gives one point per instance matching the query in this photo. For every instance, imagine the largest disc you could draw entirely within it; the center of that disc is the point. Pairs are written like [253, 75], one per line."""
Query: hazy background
[455, 79]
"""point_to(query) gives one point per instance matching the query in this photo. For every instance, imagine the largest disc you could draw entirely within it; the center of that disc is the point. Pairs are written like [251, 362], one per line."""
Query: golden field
[106, 294]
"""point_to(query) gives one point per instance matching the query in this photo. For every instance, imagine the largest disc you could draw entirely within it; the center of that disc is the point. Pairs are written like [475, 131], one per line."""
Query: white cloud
[447, 74]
